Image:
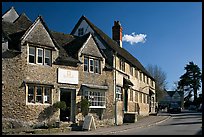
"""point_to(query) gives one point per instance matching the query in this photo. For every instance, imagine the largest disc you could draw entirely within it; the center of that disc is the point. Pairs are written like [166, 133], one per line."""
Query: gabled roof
[113, 45]
[23, 21]
[62, 38]
[10, 15]
[73, 47]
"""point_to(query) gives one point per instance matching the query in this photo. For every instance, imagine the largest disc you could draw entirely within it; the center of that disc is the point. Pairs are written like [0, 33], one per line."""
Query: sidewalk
[144, 122]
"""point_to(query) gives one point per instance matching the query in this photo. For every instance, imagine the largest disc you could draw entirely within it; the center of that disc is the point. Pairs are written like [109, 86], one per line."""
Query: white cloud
[133, 39]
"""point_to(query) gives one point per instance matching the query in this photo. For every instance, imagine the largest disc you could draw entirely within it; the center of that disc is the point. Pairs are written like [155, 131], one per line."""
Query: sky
[166, 34]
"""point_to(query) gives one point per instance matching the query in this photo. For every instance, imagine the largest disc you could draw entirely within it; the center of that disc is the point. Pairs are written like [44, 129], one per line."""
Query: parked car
[192, 107]
[174, 108]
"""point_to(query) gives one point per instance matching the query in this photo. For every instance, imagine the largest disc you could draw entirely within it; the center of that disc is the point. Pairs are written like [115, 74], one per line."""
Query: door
[126, 100]
[65, 96]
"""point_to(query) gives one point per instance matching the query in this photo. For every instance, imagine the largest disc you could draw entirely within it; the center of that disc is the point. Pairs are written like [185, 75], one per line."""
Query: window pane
[85, 64]
[31, 55]
[40, 55]
[39, 95]
[31, 94]
[47, 95]
[91, 65]
[96, 66]
[47, 57]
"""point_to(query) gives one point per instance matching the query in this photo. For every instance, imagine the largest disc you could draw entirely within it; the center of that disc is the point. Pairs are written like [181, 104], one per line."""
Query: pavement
[141, 123]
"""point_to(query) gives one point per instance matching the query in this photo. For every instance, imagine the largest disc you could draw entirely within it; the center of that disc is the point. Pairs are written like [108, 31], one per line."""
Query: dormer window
[80, 31]
[40, 56]
[92, 65]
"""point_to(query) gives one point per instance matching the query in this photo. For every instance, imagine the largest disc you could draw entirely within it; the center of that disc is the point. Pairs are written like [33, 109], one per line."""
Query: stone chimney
[117, 33]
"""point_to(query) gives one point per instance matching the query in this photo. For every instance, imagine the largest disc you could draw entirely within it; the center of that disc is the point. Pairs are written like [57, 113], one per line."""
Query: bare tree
[160, 80]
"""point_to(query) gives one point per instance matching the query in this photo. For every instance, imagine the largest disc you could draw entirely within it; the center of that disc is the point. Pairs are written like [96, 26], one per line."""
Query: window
[40, 56]
[118, 93]
[86, 64]
[92, 65]
[31, 54]
[136, 73]
[31, 94]
[131, 95]
[144, 98]
[47, 94]
[147, 80]
[136, 96]
[140, 76]
[47, 57]
[39, 94]
[140, 97]
[96, 98]
[144, 78]
[80, 31]
[131, 70]
[122, 65]
[96, 63]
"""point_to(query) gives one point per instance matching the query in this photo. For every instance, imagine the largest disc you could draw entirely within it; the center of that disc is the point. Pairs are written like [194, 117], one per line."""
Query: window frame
[100, 98]
[87, 64]
[91, 65]
[80, 31]
[50, 57]
[38, 56]
[119, 93]
[29, 54]
[35, 95]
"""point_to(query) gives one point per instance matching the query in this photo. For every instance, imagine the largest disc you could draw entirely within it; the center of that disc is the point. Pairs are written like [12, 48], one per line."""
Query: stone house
[41, 67]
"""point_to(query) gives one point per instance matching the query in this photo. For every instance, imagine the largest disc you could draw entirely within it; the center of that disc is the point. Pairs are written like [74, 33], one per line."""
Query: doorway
[126, 100]
[69, 97]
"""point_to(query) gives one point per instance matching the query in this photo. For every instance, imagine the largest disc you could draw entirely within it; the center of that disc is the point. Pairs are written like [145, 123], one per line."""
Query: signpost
[89, 123]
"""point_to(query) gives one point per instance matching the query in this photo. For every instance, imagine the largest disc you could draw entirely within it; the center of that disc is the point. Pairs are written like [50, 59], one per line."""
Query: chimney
[117, 33]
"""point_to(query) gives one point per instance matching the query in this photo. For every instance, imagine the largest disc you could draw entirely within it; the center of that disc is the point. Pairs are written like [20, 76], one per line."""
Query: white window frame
[118, 93]
[29, 54]
[95, 95]
[39, 56]
[91, 65]
[50, 57]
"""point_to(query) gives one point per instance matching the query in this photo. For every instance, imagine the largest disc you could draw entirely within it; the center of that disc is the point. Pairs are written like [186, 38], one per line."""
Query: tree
[190, 81]
[160, 80]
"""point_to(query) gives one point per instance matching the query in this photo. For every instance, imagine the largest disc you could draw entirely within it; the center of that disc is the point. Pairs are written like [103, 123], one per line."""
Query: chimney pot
[117, 33]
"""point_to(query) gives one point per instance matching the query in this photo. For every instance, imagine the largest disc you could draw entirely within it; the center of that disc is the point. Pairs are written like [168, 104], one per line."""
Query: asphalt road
[185, 123]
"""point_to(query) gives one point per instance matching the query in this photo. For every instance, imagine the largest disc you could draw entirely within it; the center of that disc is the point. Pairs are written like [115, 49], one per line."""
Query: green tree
[190, 81]
[160, 80]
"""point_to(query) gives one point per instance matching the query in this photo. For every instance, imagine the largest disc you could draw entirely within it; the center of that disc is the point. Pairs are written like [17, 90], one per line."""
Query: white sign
[68, 76]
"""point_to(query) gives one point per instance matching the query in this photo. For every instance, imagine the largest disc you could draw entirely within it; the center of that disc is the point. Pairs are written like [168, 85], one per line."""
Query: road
[185, 123]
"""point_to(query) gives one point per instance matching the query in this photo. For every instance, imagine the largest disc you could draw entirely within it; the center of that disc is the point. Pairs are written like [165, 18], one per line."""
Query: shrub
[60, 105]
[85, 106]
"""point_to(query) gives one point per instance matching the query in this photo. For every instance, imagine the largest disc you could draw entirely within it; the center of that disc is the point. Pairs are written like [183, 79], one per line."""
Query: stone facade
[18, 74]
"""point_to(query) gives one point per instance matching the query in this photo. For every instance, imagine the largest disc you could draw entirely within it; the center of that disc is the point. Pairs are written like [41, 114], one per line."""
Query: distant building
[172, 96]
[41, 67]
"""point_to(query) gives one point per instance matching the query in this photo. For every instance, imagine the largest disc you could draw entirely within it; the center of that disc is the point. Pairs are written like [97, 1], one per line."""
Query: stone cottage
[41, 67]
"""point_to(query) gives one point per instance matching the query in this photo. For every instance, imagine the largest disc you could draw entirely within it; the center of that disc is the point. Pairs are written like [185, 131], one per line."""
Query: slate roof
[73, 47]
[23, 21]
[114, 46]
[14, 32]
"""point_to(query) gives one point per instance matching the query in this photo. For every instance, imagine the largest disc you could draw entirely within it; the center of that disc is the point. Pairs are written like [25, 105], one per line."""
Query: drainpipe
[115, 88]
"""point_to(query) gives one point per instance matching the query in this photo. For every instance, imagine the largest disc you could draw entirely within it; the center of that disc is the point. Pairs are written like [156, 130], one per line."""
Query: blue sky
[166, 34]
